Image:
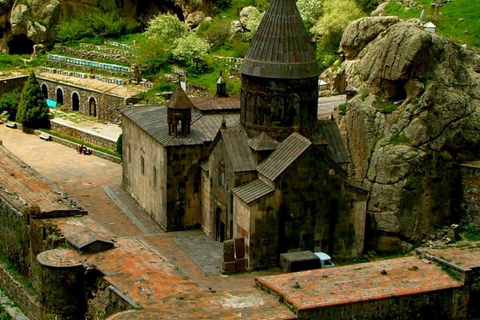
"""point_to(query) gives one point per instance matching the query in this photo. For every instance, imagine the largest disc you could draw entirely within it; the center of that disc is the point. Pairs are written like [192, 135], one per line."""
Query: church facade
[271, 174]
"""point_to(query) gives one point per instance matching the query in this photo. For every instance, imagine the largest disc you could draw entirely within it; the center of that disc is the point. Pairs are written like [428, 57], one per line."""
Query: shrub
[32, 109]
[9, 103]
[119, 147]
[399, 138]
[343, 108]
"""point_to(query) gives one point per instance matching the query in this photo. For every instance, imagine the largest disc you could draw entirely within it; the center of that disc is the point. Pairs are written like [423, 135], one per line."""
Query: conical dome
[281, 48]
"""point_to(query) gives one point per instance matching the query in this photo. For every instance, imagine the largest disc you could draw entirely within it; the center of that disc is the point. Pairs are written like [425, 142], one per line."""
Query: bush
[215, 32]
[32, 109]
[94, 23]
[9, 103]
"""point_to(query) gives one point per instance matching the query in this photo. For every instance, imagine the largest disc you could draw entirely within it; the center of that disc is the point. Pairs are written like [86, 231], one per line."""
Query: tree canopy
[166, 27]
[32, 109]
[9, 103]
[191, 48]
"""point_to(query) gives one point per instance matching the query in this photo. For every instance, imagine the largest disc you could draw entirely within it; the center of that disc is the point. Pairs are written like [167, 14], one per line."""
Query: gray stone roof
[263, 142]
[281, 48]
[286, 153]
[236, 144]
[217, 104]
[154, 121]
[252, 191]
[328, 129]
[179, 100]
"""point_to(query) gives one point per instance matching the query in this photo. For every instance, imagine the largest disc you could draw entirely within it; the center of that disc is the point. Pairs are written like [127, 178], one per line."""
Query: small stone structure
[62, 284]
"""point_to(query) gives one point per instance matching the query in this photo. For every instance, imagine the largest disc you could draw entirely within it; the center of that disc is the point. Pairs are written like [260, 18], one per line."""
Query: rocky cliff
[24, 23]
[415, 114]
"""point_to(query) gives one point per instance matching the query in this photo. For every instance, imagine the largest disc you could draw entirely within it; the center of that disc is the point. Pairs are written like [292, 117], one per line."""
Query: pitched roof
[281, 48]
[252, 191]
[216, 104]
[154, 121]
[286, 153]
[179, 100]
[236, 144]
[263, 142]
[328, 129]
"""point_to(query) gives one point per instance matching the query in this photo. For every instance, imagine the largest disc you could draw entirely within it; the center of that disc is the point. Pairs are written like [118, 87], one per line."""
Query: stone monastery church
[262, 168]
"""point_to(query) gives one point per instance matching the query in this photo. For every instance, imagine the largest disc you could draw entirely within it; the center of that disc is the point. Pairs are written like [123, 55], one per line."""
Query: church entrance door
[219, 226]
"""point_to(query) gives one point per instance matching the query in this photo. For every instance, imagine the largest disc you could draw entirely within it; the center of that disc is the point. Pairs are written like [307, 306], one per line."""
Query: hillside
[455, 19]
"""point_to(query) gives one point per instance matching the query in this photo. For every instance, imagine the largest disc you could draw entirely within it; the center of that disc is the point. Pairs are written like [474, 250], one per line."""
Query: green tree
[310, 10]
[9, 103]
[191, 48]
[215, 32]
[32, 109]
[153, 55]
[337, 15]
[166, 27]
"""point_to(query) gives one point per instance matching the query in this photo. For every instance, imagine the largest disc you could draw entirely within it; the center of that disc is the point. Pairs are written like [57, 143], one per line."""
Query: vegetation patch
[457, 19]
[343, 108]
[399, 138]
[471, 232]
[384, 106]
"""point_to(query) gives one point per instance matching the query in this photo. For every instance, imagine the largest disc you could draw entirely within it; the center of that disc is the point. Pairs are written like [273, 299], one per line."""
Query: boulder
[246, 14]
[362, 31]
[194, 19]
[416, 113]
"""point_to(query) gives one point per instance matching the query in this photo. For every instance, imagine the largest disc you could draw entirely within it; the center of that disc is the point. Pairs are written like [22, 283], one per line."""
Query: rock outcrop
[22, 24]
[415, 114]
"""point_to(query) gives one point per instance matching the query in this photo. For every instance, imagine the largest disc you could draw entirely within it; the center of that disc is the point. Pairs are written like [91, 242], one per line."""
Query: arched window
[261, 106]
[92, 107]
[60, 96]
[75, 102]
[45, 91]
[278, 106]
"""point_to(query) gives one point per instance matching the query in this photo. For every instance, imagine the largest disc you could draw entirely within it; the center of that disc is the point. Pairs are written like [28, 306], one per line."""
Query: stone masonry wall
[108, 106]
[470, 202]
[19, 293]
[83, 135]
[439, 305]
[11, 84]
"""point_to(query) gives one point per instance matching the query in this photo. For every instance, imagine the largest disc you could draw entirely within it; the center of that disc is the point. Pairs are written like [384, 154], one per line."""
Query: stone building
[272, 175]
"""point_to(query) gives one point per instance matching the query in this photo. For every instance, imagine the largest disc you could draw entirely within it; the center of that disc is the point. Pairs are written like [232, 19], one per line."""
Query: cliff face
[416, 112]
[24, 23]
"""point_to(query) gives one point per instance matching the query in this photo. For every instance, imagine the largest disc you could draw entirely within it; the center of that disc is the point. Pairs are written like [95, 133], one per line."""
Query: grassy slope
[457, 20]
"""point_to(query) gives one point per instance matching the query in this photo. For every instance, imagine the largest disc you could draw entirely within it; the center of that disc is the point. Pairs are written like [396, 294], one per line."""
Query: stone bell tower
[179, 114]
[280, 76]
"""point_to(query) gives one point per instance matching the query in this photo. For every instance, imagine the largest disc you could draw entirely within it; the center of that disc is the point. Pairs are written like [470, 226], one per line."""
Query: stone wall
[19, 293]
[10, 84]
[149, 193]
[104, 106]
[470, 197]
[83, 135]
[437, 305]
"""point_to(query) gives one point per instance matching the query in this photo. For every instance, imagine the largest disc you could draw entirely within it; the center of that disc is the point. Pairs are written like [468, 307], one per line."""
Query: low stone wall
[74, 145]
[470, 201]
[19, 293]
[439, 305]
[83, 135]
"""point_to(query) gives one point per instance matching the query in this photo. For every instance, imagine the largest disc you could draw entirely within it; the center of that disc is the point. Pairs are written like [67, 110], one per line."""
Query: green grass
[80, 142]
[457, 20]
[471, 233]
[399, 138]
[384, 106]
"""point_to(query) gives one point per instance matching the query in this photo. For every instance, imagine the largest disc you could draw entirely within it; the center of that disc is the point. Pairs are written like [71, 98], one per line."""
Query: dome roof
[281, 48]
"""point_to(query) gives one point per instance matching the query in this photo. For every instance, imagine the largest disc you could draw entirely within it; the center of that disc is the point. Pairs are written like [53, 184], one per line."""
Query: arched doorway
[59, 96]
[75, 102]
[219, 226]
[45, 91]
[92, 107]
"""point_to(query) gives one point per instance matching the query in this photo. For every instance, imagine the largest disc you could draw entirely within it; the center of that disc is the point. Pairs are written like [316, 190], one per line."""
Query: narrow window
[154, 176]
[129, 154]
[142, 165]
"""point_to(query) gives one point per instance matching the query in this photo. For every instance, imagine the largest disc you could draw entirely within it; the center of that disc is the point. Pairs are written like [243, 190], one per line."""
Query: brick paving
[465, 255]
[359, 283]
